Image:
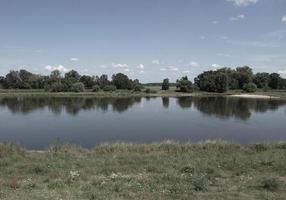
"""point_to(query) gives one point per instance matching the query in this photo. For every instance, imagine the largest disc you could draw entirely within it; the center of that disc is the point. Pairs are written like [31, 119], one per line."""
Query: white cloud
[237, 18]
[61, 68]
[140, 66]
[186, 71]
[127, 70]
[202, 37]
[284, 19]
[194, 64]
[156, 61]
[74, 59]
[141, 72]
[282, 73]
[118, 65]
[169, 68]
[215, 22]
[243, 2]
[216, 66]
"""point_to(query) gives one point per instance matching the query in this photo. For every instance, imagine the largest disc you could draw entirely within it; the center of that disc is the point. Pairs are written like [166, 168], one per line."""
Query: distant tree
[121, 81]
[244, 76]
[2, 82]
[102, 81]
[72, 76]
[212, 81]
[14, 81]
[165, 85]
[275, 81]
[261, 80]
[250, 87]
[77, 87]
[88, 81]
[95, 88]
[109, 88]
[184, 85]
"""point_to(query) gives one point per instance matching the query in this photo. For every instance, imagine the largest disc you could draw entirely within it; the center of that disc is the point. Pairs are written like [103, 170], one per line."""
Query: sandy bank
[254, 96]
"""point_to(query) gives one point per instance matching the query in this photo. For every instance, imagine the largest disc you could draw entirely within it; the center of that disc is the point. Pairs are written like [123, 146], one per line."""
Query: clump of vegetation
[109, 88]
[270, 184]
[77, 87]
[184, 85]
[165, 85]
[96, 88]
[250, 87]
[150, 91]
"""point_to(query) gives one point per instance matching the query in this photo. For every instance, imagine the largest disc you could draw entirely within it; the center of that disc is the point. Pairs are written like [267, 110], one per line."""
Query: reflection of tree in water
[165, 102]
[229, 107]
[71, 105]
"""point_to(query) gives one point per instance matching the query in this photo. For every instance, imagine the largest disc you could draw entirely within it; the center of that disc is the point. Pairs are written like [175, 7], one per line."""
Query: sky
[149, 40]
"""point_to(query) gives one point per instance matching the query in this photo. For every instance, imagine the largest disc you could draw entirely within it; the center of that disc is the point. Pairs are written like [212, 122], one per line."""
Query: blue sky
[148, 40]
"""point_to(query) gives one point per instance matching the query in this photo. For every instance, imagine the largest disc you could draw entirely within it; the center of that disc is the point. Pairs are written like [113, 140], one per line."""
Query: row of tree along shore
[219, 81]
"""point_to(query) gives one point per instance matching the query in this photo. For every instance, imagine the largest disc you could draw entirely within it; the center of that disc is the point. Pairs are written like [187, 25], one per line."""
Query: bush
[138, 88]
[56, 87]
[249, 87]
[270, 184]
[109, 88]
[184, 85]
[95, 88]
[77, 87]
[149, 91]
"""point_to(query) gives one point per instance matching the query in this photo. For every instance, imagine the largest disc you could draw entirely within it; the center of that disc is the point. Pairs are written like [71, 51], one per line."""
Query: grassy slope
[156, 171]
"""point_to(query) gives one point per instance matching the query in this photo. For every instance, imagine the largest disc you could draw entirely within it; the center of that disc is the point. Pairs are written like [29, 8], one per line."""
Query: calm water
[37, 122]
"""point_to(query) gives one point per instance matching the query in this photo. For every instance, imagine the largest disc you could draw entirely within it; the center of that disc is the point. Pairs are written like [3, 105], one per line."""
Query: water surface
[37, 122]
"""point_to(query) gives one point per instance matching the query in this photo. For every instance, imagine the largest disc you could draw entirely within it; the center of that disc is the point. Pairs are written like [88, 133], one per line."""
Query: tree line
[221, 80]
[224, 79]
[71, 81]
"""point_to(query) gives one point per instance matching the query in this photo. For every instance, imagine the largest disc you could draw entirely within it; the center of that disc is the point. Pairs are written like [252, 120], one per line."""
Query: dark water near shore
[37, 122]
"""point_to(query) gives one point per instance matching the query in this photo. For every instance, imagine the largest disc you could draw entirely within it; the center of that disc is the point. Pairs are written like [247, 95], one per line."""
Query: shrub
[138, 88]
[271, 184]
[109, 88]
[95, 88]
[184, 85]
[77, 87]
[56, 87]
[149, 91]
[249, 87]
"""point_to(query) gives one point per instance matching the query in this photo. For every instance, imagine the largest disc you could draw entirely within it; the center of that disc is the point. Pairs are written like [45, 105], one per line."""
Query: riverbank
[154, 92]
[210, 170]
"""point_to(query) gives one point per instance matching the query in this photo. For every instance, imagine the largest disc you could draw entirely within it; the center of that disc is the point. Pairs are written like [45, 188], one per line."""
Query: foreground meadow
[210, 170]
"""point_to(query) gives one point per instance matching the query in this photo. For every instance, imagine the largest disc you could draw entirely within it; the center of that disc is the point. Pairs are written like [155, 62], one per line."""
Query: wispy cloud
[237, 18]
[243, 2]
[284, 19]
[216, 66]
[140, 66]
[118, 65]
[194, 64]
[282, 73]
[156, 61]
[74, 59]
[169, 68]
[60, 68]
[215, 22]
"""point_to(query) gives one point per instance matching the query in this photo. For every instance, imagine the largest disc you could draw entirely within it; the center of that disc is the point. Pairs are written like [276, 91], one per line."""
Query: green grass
[168, 170]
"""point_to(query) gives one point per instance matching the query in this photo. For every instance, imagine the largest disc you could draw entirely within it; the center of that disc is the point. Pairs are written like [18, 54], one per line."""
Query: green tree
[121, 81]
[165, 85]
[261, 80]
[184, 85]
[88, 81]
[250, 87]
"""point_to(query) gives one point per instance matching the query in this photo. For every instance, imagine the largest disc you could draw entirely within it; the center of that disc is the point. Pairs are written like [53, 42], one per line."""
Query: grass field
[210, 170]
